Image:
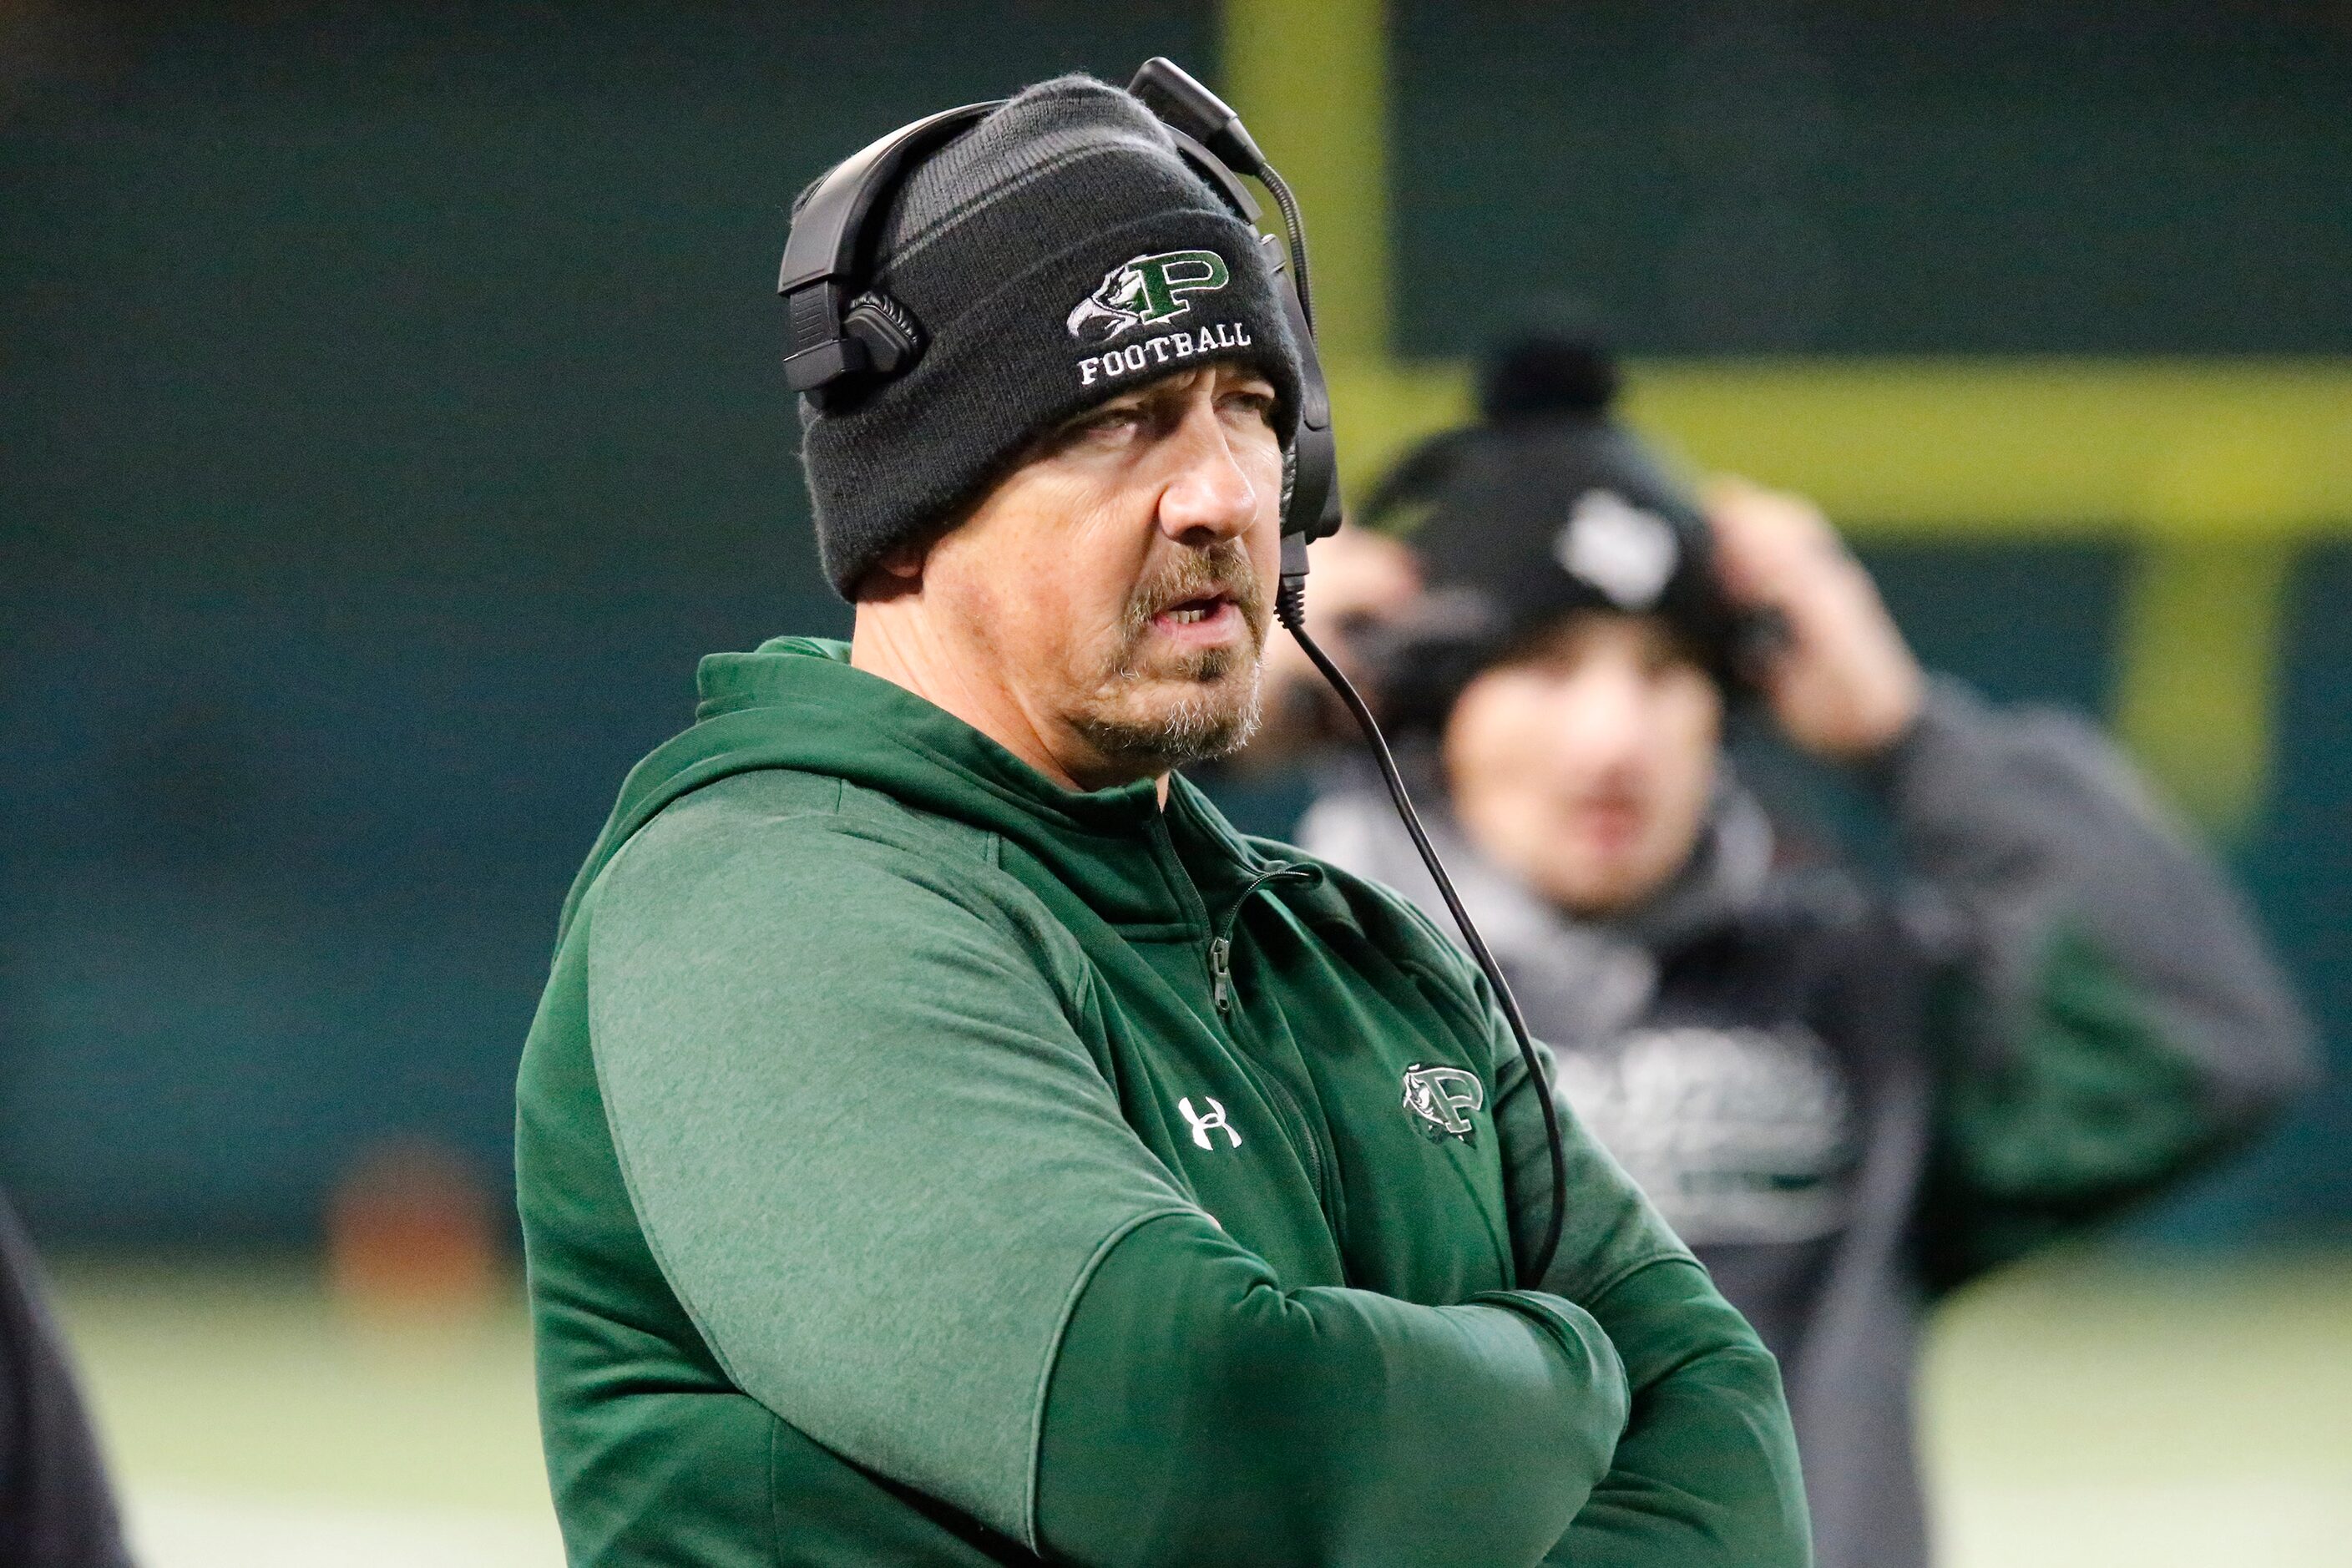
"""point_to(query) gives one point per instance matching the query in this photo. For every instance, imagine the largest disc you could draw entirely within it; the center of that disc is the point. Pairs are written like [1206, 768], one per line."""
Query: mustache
[1223, 568]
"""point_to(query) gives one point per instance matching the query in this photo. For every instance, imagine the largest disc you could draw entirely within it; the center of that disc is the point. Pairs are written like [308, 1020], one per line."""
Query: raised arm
[2116, 1016]
[2110, 1016]
[892, 1188]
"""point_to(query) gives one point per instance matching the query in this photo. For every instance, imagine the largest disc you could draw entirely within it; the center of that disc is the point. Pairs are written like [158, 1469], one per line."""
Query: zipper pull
[1221, 971]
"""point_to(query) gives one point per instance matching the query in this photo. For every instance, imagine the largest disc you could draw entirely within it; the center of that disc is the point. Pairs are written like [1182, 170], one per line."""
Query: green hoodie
[920, 1163]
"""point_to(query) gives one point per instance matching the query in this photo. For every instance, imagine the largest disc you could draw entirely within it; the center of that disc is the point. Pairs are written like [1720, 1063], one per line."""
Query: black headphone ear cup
[888, 331]
[1759, 637]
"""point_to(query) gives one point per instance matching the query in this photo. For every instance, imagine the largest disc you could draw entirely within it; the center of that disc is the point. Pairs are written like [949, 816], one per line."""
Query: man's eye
[1260, 404]
[1110, 422]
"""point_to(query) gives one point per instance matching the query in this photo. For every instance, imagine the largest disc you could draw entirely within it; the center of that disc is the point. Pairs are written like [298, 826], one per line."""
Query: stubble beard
[1185, 706]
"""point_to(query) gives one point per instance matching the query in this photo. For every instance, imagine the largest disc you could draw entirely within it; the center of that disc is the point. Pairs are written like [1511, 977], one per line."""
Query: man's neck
[895, 641]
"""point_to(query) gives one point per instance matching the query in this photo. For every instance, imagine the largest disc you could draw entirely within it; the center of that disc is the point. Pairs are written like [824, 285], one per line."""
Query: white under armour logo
[1214, 1121]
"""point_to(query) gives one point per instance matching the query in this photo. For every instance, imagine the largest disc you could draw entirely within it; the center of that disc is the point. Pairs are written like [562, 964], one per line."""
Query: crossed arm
[1348, 1427]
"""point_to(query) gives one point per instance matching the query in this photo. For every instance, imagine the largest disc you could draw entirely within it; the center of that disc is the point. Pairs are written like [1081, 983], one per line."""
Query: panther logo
[1145, 289]
[1441, 1098]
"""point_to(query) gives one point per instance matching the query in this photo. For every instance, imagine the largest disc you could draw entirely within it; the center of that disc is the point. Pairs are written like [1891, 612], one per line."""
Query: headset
[844, 337]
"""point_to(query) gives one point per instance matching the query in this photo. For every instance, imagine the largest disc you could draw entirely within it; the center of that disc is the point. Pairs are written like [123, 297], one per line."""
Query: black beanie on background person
[1547, 505]
[1059, 252]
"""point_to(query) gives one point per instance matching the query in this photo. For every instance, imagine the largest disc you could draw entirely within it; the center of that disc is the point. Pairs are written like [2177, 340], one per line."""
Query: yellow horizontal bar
[2171, 449]
[2199, 658]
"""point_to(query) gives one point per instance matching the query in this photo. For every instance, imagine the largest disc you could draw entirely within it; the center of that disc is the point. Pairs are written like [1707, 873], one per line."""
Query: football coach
[945, 1139]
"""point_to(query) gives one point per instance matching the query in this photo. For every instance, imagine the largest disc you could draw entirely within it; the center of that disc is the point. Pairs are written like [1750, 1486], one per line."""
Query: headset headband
[828, 244]
[840, 332]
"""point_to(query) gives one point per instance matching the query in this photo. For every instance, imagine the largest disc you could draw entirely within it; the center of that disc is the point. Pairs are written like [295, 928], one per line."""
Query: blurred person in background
[56, 1509]
[1847, 1103]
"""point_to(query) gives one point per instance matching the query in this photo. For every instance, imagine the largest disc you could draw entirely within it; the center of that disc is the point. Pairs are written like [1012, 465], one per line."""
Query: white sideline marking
[194, 1529]
[2276, 1524]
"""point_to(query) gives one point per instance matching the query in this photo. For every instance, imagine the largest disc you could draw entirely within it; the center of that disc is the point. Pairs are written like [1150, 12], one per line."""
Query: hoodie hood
[796, 702]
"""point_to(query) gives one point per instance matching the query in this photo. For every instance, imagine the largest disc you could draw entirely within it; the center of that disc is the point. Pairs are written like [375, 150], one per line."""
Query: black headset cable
[1290, 608]
[1295, 228]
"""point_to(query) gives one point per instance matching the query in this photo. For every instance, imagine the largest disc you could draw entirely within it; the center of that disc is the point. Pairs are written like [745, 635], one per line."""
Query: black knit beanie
[1058, 253]
[1545, 506]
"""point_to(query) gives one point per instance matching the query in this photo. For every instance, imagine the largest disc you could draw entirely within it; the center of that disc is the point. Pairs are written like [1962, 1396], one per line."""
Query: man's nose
[1209, 497]
[1599, 717]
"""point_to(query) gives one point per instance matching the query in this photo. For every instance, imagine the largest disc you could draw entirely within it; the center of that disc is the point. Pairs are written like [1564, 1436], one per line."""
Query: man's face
[1116, 586]
[1585, 768]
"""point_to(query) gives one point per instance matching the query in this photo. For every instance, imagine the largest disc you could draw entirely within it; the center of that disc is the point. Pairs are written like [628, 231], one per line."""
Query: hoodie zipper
[1221, 944]
[1319, 1159]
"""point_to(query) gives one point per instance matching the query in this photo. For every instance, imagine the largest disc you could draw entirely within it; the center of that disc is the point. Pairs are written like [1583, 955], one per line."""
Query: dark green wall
[391, 417]
[1999, 176]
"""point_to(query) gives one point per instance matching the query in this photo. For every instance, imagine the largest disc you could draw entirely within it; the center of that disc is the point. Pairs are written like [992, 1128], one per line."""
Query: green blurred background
[392, 416]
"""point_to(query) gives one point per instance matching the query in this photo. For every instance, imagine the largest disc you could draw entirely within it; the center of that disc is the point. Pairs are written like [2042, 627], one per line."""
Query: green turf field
[2082, 1413]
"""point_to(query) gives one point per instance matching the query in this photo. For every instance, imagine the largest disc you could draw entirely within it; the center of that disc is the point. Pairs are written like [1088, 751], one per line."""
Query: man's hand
[1846, 685]
[1361, 580]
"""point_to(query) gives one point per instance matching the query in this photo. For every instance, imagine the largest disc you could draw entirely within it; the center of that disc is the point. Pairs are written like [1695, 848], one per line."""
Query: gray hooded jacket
[1848, 1105]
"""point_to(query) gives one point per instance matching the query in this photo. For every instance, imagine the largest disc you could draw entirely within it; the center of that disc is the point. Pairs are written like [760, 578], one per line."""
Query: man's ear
[905, 559]
[896, 572]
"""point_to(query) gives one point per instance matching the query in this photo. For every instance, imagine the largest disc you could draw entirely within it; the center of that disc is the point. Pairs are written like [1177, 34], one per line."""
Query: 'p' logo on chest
[1441, 1098]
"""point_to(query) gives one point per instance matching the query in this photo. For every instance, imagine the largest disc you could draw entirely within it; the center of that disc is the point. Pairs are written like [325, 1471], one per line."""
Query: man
[1845, 1105]
[944, 1141]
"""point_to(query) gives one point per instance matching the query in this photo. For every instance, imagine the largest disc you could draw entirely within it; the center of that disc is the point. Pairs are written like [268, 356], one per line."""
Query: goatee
[1222, 706]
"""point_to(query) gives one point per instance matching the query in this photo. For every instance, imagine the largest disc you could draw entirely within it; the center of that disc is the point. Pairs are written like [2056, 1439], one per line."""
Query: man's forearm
[1201, 1413]
[1706, 1472]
